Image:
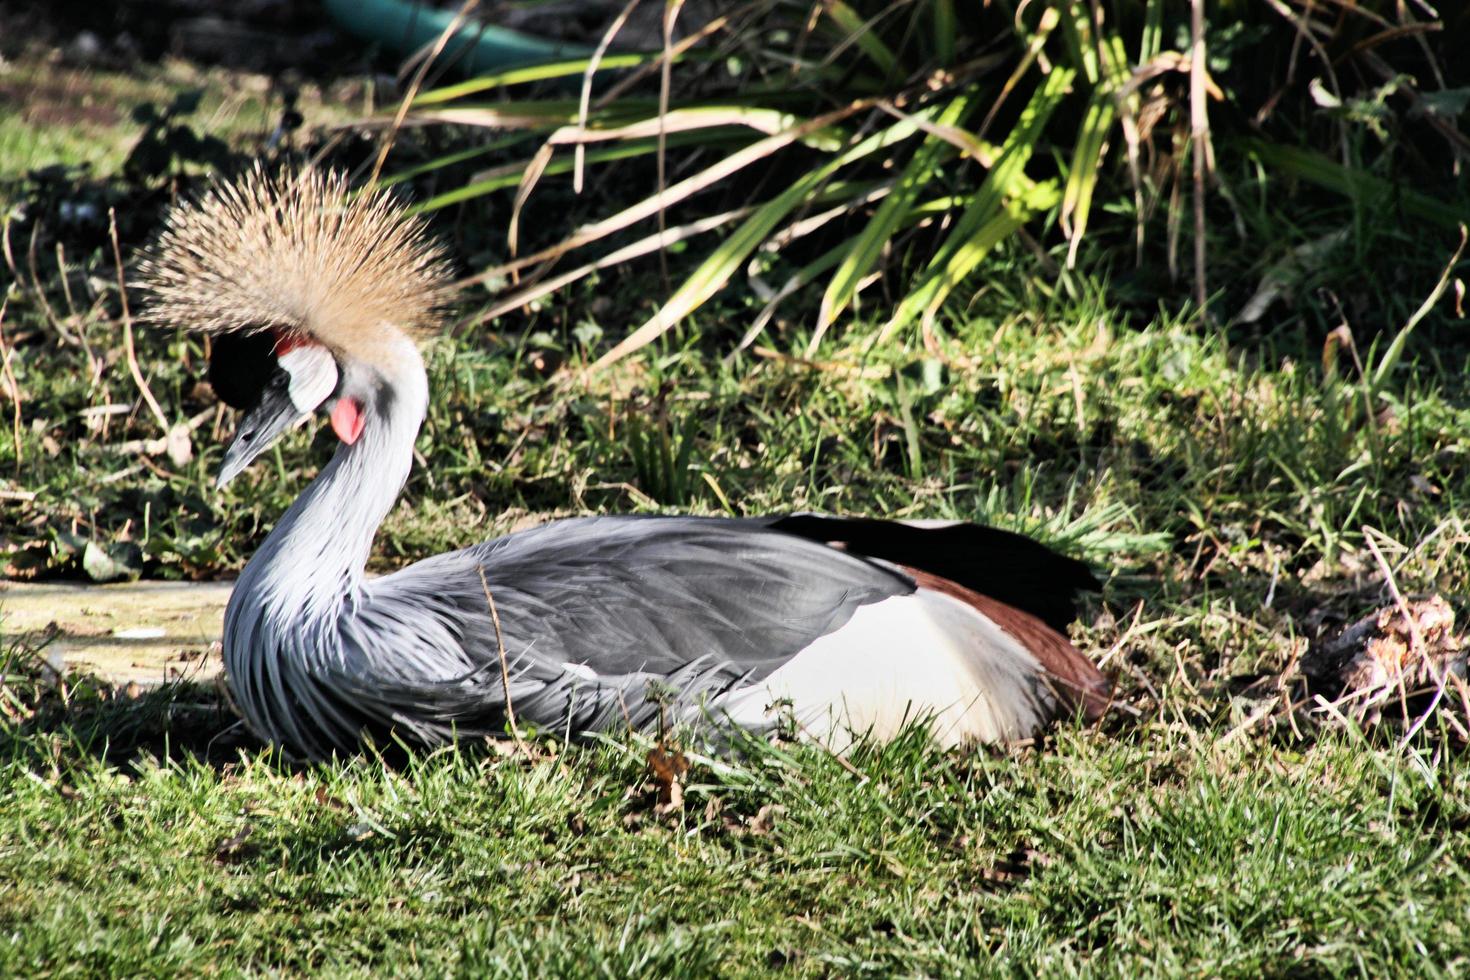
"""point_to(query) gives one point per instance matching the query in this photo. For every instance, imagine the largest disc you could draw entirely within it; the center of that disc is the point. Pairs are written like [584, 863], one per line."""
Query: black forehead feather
[240, 366]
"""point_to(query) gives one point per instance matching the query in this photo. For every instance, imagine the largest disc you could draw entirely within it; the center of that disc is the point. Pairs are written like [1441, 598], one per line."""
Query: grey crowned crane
[834, 625]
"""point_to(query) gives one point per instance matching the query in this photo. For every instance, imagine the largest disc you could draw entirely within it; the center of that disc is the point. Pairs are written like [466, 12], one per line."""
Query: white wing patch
[924, 655]
[313, 374]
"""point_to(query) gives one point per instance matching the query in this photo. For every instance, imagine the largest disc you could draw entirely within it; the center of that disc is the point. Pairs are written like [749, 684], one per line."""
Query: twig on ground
[13, 388]
[127, 318]
[510, 710]
[94, 368]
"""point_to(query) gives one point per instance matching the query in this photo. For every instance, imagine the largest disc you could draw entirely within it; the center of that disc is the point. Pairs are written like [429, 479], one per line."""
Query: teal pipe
[403, 27]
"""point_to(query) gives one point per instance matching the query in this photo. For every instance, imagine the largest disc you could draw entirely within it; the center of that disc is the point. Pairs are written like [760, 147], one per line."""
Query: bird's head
[314, 295]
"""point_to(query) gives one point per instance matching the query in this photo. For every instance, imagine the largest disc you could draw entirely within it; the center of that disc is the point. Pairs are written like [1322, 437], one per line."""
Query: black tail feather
[1006, 566]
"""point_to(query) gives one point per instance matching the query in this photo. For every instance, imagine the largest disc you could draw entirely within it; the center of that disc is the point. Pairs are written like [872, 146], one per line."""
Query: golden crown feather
[297, 253]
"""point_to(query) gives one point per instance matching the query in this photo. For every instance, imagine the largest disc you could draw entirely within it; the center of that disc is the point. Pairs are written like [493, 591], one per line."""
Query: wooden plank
[134, 632]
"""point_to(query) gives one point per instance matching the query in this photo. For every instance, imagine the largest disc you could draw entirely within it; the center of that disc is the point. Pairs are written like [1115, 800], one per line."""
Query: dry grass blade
[1303, 26]
[717, 268]
[802, 278]
[634, 77]
[510, 116]
[996, 208]
[1050, 18]
[39, 292]
[957, 137]
[862, 33]
[644, 246]
[1199, 127]
[586, 95]
[94, 369]
[534, 169]
[665, 83]
[807, 225]
[767, 121]
[418, 80]
[868, 246]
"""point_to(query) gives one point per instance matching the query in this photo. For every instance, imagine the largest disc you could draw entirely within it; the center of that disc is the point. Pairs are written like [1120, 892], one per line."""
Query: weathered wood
[137, 632]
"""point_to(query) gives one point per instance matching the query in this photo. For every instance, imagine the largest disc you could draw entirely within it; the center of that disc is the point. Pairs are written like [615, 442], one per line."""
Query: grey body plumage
[592, 613]
[861, 624]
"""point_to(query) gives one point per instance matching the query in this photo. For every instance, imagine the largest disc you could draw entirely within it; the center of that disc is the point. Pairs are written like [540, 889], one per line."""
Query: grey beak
[260, 426]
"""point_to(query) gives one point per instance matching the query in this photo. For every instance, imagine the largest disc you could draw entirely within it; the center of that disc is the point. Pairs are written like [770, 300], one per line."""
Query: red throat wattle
[347, 419]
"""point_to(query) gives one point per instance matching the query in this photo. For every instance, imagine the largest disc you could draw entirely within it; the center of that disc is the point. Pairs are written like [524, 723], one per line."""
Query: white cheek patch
[313, 374]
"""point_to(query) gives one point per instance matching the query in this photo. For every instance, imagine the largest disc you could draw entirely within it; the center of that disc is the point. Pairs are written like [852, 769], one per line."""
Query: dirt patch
[141, 632]
[66, 101]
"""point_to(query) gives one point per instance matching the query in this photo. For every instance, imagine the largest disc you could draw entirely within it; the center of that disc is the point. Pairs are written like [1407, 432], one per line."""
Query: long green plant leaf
[644, 246]
[1090, 146]
[1395, 350]
[867, 246]
[861, 32]
[721, 264]
[451, 159]
[1352, 183]
[1087, 159]
[767, 121]
[945, 30]
[824, 263]
[1013, 214]
[1005, 179]
[496, 81]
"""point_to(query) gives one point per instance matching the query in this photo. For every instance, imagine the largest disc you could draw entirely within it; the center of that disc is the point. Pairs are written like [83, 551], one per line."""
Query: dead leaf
[179, 445]
[1015, 866]
[1281, 279]
[668, 766]
[323, 798]
[232, 850]
[1393, 653]
[764, 820]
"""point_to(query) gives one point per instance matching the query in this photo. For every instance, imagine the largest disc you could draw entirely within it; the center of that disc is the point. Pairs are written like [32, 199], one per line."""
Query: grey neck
[283, 624]
[314, 559]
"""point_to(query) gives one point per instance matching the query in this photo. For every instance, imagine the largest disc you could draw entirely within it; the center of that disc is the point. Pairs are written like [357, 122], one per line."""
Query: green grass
[1155, 852]
[1194, 476]
[55, 114]
[1200, 470]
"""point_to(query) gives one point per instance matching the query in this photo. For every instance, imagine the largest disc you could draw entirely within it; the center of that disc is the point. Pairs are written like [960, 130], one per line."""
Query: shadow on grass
[52, 722]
